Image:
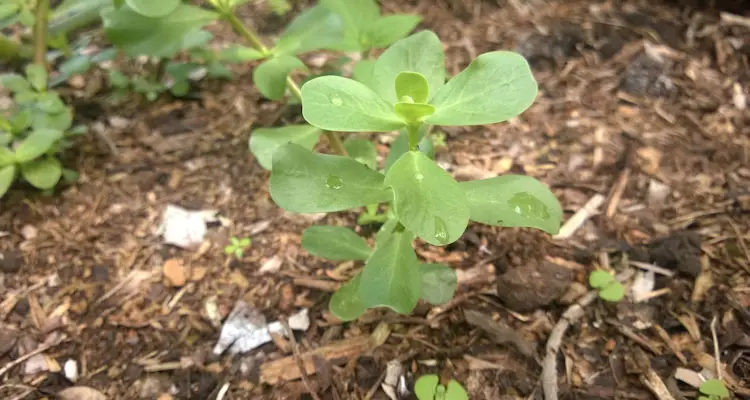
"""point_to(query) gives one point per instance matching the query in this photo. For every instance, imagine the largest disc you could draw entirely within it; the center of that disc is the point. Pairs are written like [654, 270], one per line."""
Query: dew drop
[419, 177]
[334, 182]
[528, 206]
[441, 231]
[336, 100]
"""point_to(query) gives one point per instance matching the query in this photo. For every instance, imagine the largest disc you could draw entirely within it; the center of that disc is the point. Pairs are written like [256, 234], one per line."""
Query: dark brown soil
[642, 103]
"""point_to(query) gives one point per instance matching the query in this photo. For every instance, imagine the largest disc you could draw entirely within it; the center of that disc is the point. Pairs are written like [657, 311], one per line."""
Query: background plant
[407, 89]
[609, 288]
[237, 247]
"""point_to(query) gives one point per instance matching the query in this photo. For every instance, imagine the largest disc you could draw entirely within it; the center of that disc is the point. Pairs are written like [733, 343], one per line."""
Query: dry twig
[298, 359]
[7, 367]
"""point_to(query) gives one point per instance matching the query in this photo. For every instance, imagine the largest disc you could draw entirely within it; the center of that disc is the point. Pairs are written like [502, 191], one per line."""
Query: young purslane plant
[406, 89]
[34, 131]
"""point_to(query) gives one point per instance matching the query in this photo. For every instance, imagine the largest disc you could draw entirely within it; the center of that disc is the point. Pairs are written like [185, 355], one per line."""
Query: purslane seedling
[609, 289]
[237, 247]
[428, 387]
[407, 90]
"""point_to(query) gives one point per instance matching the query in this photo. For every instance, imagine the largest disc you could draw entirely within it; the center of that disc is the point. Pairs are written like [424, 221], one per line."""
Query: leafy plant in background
[428, 387]
[407, 89]
[237, 247]
[713, 389]
[609, 288]
[34, 132]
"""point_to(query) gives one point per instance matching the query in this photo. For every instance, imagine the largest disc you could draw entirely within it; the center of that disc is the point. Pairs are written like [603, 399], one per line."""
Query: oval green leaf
[363, 72]
[413, 113]
[345, 304]
[455, 391]
[238, 53]
[37, 76]
[495, 87]
[513, 201]
[265, 141]
[413, 85]
[335, 243]
[438, 283]
[600, 278]
[613, 292]
[152, 8]
[426, 386]
[6, 157]
[391, 278]
[421, 52]
[335, 103]
[427, 200]
[400, 146]
[15, 83]
[270, 76]
[714, 387]
[313, 29]
[307, 182]
[36, 144]
[357, 16]
[43, 173]
[391, 28]
[7, 176]
[363, 151]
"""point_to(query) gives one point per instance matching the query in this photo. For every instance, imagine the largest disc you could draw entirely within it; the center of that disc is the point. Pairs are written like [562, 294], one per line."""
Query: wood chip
[174, 272]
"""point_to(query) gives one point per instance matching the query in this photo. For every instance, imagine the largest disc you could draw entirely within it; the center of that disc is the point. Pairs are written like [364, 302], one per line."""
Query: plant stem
[249, 35]
[413, 137]
[40, 33]
[333, 139]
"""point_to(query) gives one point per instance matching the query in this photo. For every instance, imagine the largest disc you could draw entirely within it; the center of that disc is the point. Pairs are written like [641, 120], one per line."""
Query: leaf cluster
[428, 387]
[405, 90]
[34, 131]
[609, 288]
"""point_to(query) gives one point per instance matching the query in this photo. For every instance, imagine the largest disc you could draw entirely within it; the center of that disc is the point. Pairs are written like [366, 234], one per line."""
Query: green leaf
[363, 72]
[357, 16]
[153, 9]
[43, 173]
[265, 141]
[413, 113]
[495, 87]
[36, 144]
[438, 283]
[363, 151]
[413, 85]
[155, 37]
[335, 243]
[307, 182]
[15, 83]
[41, 119]
[613, 292]
[8, 10]
[50, 103]
[455, 391]
[75, 65]
[346, 303]
[400, 146]
[7, 176]
[600, 278]
[427, 200]
[270, 76]
[237, 53]
[7, 157]
[70, 175]
[714, 387]
[37, 76]
[513, 201]
[315, 28]
[426, 386]
[421, 52]
[391, 28]
[215, 69]
[21, 120]
[340, 104]
[391, 278]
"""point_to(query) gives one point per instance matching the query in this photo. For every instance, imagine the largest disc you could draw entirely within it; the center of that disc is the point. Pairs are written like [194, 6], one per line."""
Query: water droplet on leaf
[336, 100]
[441, 230]
[334, 182]
[419, 177]
[528, 206]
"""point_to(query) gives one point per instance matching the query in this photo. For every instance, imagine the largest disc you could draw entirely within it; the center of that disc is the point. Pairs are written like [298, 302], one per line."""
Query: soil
[641, 103]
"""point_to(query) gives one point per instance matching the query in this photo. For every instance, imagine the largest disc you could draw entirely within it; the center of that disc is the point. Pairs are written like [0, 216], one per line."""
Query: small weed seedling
[34, 132]
[713, 389]
[237, 247]
[406, 90]
[428, 387]
[609, 288]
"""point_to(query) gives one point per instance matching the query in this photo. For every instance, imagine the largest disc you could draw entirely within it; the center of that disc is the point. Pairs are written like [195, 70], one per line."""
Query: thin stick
[716, 347]
[298, 359]
[571, 316]
[30, 354]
